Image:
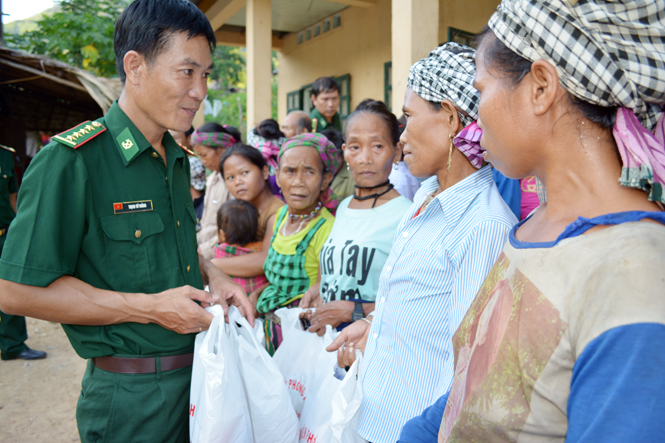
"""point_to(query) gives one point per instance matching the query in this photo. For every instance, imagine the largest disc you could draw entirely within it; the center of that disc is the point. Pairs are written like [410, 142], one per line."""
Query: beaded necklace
[303, 219]
[374, 196]
[310, 215]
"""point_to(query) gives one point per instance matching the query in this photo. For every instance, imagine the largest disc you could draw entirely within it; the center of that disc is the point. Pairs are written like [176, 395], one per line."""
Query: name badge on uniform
[127, 207]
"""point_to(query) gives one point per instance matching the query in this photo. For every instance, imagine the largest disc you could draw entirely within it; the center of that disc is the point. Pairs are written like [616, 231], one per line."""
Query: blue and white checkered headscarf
[447, 73]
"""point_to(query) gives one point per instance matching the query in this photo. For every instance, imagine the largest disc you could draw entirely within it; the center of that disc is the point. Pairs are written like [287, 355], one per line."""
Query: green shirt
[8, 186]
[343, 184]
[323, 123]
[111, 214]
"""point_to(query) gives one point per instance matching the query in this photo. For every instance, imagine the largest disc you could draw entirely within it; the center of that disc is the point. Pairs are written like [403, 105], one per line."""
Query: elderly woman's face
[425, 137]
[301, 178]
[369, 149]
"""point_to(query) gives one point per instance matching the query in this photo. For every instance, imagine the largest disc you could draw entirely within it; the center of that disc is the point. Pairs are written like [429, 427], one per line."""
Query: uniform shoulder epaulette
[12, 150]
[188, 151]
[81, 134]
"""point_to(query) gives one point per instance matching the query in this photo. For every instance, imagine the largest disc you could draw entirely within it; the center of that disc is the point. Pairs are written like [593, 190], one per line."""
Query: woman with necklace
[443, 248]
[301, 227]
[365, 223]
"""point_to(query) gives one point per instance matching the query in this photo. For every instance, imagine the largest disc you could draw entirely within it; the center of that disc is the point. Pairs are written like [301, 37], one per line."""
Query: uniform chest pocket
[134, 251]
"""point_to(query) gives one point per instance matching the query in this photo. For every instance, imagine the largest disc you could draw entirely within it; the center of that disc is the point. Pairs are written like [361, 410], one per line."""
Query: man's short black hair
[324, 84]
[147, 25]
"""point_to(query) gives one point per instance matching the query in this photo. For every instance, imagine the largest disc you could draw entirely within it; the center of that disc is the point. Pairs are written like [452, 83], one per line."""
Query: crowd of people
[496, 253]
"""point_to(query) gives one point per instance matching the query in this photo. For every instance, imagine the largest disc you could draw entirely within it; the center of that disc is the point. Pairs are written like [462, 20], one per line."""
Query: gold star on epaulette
[80, 134]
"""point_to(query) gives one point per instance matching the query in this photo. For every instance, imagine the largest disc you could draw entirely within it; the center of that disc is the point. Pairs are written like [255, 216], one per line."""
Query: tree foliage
[80, 34]
[229, 66]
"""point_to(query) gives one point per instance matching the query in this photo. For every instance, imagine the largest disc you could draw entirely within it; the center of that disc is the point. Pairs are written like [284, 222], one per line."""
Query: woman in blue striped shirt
[443, 248]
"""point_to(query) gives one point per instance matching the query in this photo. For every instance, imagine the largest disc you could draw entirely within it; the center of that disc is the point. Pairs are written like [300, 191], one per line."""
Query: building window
[344, 82]
[300, 37]
[293, 101]
[337, 21]
[461, 37]
[317, 30]
[388, 84]
[308, 34]
[326, 25]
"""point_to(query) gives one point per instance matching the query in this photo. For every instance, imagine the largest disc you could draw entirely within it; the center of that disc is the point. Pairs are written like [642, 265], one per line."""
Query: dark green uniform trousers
[134, 407]
[13, 332]
[13, 335]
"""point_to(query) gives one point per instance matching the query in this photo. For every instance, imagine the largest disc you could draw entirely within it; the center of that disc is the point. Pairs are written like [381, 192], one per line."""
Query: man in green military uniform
[104, 240]
[13, 332]
[325, 97]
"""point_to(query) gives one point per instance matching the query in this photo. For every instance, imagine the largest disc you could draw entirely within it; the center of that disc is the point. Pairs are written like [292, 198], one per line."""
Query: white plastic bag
[332, 415]
[273, 417]
[218, 409]
[346, 406]
[299, 356]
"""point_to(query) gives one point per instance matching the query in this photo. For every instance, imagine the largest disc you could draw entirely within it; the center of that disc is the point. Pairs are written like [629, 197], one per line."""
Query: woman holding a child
[245, 172]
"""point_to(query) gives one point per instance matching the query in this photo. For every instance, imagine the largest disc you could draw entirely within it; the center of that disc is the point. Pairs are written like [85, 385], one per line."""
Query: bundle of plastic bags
[327, 406]
[238, 394]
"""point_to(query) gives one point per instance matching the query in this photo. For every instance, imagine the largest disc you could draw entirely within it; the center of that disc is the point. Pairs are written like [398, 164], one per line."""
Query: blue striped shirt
[437, 263]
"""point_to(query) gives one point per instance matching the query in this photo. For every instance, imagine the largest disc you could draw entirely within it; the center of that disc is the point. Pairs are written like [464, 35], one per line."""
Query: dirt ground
[38, 398]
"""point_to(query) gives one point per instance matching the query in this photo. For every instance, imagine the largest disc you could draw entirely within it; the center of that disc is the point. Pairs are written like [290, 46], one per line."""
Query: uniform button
[376, 336]
[166, 178]
[178, 223]
[188, 268]
[154, 154]
[383, 299]
[137, 234]
[405, 235]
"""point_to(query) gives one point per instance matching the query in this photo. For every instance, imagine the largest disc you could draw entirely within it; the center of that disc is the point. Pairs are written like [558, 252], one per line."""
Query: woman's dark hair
[146, 26]
[216, 127]
[335, 137]
[269, 129]
[379, 109]
[514, 67]
[250, 154]
[239, 220]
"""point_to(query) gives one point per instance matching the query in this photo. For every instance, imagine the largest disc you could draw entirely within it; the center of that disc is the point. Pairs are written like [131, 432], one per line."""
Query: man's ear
[134, 65]
[543, 86]
[313, 98]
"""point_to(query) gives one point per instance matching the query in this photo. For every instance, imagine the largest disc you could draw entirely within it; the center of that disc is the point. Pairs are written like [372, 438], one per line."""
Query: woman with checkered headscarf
[444, 246]
[566, 338]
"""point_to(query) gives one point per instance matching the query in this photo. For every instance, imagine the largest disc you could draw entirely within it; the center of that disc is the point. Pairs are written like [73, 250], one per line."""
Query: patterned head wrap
[213, 139]
[606, 53]
[198, 174]
[447, 73]
[268, 148]
[329, 157]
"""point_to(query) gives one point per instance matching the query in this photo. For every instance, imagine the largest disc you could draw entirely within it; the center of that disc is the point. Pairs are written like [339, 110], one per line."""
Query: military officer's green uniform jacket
[13, 333]
[323, 124]
[99, 204]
